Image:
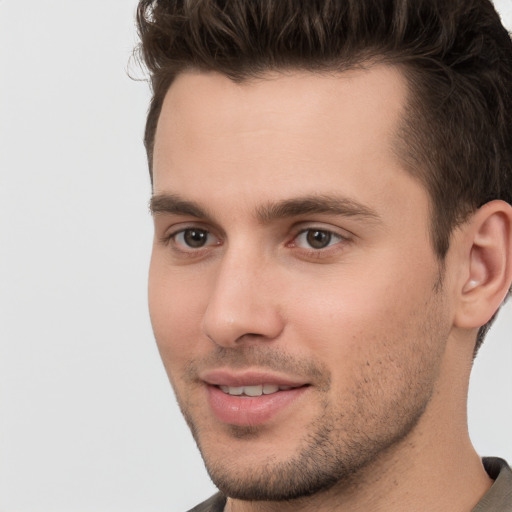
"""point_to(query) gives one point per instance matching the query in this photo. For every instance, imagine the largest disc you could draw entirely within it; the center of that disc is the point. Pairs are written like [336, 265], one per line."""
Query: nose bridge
[242, 303]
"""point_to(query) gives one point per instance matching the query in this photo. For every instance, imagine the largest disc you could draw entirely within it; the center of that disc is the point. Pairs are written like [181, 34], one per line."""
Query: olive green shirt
[497, 499]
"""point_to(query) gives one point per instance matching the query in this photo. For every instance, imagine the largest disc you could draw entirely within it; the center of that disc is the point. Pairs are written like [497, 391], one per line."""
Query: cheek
[176, 308]
[383, 361]
[365, 318]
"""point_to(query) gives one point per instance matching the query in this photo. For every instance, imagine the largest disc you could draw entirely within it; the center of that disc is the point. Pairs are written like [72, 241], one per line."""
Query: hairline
[412, 108]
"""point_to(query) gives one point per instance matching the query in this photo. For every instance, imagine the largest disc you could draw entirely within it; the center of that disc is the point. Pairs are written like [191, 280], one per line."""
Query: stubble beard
[334, 451]
[338, 447]
[325, 459]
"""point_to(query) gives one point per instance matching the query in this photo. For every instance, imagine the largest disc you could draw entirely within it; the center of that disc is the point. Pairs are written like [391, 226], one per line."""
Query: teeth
[268, 389]
[253, 390]
[262, 389]
[232, 391]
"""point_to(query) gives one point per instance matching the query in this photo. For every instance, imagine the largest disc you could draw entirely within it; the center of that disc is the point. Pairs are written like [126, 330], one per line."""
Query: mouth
[254, 391]
[251, 398]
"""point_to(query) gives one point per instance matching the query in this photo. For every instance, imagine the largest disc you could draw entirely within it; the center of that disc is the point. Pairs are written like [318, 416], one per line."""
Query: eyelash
[170, 240]
[186, 250]
[315, 230]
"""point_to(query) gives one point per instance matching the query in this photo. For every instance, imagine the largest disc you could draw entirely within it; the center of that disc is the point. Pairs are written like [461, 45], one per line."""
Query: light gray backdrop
[87, 419]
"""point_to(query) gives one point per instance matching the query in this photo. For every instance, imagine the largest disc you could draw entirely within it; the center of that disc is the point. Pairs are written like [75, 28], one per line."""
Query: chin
[322, 459]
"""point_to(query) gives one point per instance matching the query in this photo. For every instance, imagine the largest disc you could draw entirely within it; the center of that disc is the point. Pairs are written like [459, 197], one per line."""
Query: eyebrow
[306, 205]
[313, 204]
[174, 204]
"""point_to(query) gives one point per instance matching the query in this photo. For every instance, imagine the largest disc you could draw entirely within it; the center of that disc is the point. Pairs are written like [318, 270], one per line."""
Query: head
[324, 263]
[456, 136]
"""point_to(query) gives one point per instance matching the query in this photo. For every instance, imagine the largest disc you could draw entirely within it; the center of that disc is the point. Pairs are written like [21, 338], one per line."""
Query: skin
[372, 323]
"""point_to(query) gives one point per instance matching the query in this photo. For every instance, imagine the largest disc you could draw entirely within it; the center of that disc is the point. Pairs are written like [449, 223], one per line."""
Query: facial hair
[379, 411]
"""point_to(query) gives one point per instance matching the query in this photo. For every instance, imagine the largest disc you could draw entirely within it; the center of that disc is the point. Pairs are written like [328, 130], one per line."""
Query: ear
[487, 258]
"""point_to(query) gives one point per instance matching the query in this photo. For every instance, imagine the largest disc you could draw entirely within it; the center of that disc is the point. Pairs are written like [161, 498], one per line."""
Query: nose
[243, 305]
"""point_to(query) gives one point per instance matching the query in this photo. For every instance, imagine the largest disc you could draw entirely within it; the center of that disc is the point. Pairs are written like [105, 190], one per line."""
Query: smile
[252, 405]
[252, 391]
[251, 397]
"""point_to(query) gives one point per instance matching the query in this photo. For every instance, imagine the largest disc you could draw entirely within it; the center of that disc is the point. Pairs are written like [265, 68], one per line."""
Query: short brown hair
[456, 55]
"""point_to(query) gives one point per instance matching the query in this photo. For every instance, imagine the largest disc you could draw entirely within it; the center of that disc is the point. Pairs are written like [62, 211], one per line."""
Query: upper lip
[225, 377]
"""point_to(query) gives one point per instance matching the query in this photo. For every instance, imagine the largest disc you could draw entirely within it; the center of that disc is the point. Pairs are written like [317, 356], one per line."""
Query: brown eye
[318, 239]
[193, 241]
[195, 238]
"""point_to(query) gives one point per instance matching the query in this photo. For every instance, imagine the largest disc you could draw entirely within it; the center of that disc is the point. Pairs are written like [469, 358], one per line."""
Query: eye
[316, 239]
[193, 238]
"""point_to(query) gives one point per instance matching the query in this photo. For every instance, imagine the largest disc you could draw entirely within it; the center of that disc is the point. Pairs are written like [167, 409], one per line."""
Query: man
[332, 189]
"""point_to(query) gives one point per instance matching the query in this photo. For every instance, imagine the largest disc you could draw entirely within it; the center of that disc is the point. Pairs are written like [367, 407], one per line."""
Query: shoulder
[214, 504]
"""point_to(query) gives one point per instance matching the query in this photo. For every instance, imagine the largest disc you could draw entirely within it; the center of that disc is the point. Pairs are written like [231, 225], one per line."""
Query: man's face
[294, 293]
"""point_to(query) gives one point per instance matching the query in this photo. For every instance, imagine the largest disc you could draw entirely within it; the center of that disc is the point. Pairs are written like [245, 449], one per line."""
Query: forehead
[365, 103]
[283, 135]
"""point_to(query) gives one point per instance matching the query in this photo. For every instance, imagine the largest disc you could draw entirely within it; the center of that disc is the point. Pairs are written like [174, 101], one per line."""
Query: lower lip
[250, 411]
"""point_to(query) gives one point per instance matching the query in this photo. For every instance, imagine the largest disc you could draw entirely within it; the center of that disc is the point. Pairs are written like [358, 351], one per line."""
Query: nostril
[230, 320]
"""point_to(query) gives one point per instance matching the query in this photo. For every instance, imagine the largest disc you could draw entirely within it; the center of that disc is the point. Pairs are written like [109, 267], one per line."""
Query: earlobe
[488, 260]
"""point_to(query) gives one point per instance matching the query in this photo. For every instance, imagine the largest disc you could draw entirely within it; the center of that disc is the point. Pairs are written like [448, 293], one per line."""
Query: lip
[250, 411]
[224, 377]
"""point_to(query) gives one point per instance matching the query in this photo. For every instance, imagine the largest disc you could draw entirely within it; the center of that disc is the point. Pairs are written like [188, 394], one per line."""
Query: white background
[87, 418]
